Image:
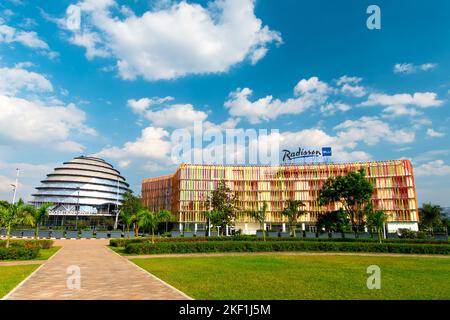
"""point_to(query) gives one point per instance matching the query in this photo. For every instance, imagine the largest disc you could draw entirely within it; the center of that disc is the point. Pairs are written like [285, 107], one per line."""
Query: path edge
[5, 297]
[152, 275]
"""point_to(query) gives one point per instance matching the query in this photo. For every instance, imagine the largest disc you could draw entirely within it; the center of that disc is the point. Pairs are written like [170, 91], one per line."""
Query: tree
[430, 216]
[375, 220]
[223, 202]
[260, 216]
[292, 212]
[353, 191]
[129, 209]
[333, 221]
[12, 215]
[151, 220]
[38, 214]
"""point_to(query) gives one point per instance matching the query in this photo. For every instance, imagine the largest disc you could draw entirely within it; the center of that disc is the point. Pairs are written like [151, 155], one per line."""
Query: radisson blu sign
[305, 153]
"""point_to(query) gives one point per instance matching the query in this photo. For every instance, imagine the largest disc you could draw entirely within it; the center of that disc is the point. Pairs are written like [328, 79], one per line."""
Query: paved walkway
[104, 276]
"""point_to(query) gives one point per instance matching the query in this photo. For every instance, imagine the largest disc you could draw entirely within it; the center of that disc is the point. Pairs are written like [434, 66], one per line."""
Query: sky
[117, 80]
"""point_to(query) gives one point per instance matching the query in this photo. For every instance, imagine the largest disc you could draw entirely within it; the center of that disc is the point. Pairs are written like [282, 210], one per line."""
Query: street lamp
[15, 186]
[77, 208]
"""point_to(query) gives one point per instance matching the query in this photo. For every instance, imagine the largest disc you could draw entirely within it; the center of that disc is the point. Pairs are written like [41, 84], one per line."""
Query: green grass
[120, 250]
[11, 276]
[45, 254]
[302, 277]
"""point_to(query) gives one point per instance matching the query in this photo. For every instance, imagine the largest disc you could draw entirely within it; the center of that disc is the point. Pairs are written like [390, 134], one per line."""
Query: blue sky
[119, 83]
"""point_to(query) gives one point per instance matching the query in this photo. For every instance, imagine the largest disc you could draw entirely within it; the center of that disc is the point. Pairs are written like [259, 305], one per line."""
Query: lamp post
[78, 208]
[117, 206]
[15, 186]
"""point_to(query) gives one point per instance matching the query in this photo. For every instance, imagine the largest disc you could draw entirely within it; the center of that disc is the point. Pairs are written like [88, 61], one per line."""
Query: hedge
[269, 246]
[18, 253]
[41, 244]
[124, 242]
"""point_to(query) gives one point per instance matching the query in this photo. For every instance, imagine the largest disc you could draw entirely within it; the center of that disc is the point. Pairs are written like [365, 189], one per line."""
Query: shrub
[268, 246]
[19, 253]
[124, 242]
[41, 244]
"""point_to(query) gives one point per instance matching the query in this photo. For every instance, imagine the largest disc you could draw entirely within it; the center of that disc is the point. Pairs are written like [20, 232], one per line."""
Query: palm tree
[376, 220]
[260, 216]
[37, 214]
[128, 218]
[12, 215]
[148, 219]
[292, 212]
[430, 216]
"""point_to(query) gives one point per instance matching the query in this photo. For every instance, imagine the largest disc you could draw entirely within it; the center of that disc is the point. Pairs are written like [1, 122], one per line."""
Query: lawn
[11, 276]
[302, 277]
[45, 254]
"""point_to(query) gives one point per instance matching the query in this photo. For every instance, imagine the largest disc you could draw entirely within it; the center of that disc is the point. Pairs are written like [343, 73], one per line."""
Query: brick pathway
[104, 276]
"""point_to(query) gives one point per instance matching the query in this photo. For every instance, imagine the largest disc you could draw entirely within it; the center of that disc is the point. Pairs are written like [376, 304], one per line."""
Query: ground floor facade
[186, 192]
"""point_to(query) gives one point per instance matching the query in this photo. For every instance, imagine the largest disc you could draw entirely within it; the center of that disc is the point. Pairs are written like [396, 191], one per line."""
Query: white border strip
[152, 275]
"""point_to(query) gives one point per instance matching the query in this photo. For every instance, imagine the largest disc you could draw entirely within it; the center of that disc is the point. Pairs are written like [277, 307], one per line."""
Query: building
[185, 193]
[83, 187]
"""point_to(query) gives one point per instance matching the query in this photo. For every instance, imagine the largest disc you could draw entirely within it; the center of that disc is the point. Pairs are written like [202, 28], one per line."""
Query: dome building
[83, 186]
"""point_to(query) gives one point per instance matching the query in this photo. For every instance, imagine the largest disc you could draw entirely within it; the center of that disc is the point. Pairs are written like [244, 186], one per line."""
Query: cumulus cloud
[307, 93]
[141, 105]
[433, 168]
[13, 80]
[434, 134]
[331, 108]
[30, 39]
[349, 86]
[418, 99]
[33, 121]
[174, 39]
[408, 68]
[371, 131]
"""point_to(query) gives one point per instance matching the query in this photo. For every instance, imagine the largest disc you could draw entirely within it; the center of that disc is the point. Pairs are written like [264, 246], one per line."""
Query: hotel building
[186, 192]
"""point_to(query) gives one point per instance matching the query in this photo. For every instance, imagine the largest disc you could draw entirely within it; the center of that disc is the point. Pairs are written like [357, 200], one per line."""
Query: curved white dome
[86, 182]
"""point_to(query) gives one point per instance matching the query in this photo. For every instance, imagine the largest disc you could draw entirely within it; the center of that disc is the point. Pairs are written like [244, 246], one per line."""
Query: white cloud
[29, 39]
[371, 131]
[153, 144]
[16, 79]
[434, 134]
[355, 91]
[400, 101]
[32, 121]
[308, 93]
[331, 108]
[349, 86]
[141, 105]
[176, 116]
[69, 146]
[172, 41]
[408, 68]
[433, 168]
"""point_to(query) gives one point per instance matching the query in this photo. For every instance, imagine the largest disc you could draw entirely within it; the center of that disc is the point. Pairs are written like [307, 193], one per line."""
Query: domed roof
[84, 181]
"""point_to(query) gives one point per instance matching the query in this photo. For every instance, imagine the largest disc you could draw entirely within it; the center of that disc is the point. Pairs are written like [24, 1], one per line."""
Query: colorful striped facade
[185, 193]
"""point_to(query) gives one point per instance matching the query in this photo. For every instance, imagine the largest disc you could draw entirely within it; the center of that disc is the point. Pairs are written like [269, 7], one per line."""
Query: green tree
[151, 220]
[375, 220]
[353, 191]
[129, 209]
[333, 221]
[430, 216]
[292, 212]
[223, 202]
[260, 216]
[38, 214]
[12, 215]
